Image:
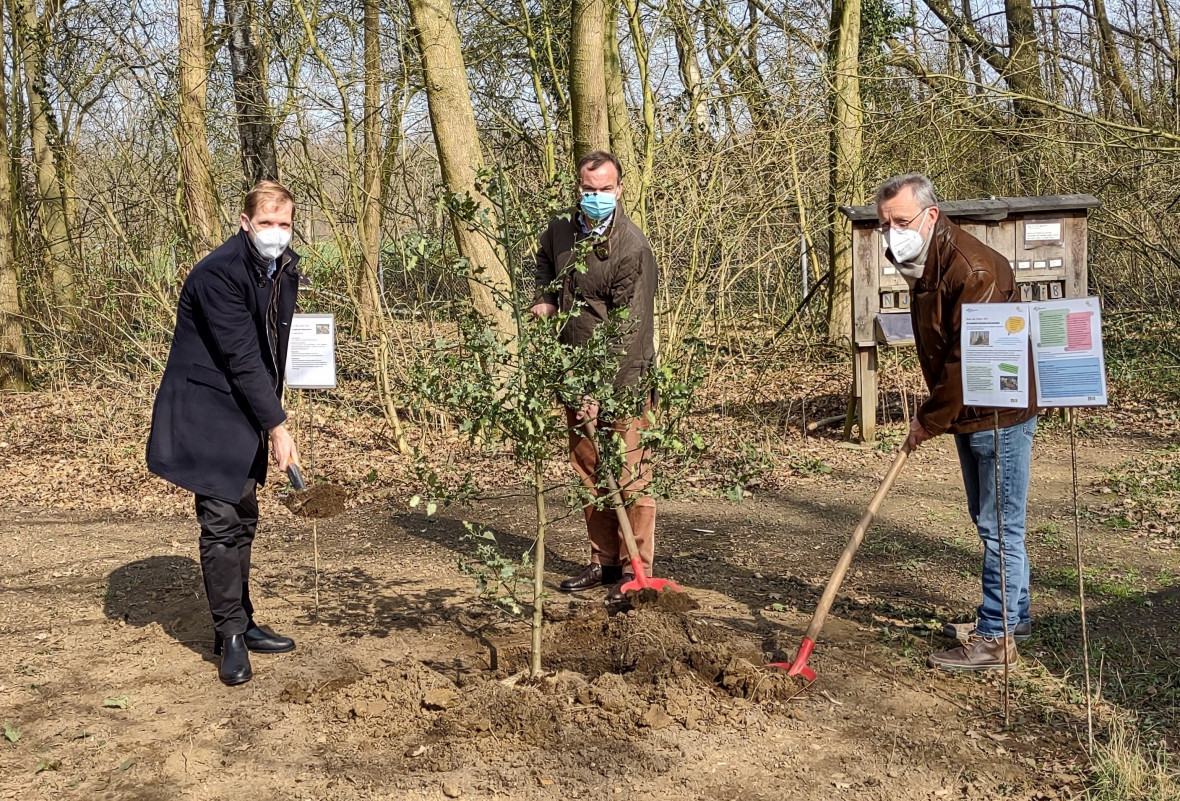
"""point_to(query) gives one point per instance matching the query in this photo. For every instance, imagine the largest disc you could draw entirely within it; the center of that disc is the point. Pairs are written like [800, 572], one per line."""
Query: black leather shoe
[616, 594]
[588, 579]
[235, 661]
[260, 640]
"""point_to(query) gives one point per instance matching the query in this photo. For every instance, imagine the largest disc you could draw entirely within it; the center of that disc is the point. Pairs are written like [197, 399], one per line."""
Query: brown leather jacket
[959, 269]
[620, 273]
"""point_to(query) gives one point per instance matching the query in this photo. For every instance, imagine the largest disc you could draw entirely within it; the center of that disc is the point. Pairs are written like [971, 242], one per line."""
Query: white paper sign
[311, 353]
[1067, 352]
[995, 354]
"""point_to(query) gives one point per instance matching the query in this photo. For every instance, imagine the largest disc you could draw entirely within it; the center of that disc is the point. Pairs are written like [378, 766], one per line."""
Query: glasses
[884, 227]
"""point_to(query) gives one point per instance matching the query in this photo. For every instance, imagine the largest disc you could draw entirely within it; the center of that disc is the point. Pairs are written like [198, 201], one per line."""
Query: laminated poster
[995, 354]
[1067, 352]
[311, 353]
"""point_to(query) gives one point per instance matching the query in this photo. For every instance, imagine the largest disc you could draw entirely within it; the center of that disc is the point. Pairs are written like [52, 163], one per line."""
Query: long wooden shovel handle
[858, 536]
[616, 498]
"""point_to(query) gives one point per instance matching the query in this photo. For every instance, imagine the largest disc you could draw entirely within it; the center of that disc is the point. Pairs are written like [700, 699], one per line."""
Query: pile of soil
[611, 677]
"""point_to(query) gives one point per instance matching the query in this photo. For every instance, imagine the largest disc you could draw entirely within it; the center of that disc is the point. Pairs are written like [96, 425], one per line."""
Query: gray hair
[923, 189]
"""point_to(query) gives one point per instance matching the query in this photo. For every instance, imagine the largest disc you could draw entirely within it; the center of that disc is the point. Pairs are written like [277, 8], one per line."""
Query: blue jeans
[977, 458]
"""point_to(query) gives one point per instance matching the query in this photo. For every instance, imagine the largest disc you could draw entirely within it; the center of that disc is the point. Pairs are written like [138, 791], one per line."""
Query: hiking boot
[977, 653]
[961, 631]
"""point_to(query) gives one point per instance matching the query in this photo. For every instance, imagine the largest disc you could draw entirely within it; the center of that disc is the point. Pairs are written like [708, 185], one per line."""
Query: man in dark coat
[220, 402]
[619, 276]
[946, 267]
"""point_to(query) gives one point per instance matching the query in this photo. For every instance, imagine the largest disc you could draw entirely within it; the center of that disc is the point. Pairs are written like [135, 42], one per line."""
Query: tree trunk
[14, 374]
[31, 43]
[255, 129]
[684, 35]
[196, 175]
[845, 151]
[587, 79]
[1023, 75]
[622, 135]
[1112, 66]
[370, 211]
[452, 121]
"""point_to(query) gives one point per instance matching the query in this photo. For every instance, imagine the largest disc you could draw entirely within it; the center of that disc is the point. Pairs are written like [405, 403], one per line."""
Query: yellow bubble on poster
[1014, 325]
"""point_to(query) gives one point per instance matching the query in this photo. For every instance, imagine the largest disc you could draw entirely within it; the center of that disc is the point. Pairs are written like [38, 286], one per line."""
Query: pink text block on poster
[1077, 331]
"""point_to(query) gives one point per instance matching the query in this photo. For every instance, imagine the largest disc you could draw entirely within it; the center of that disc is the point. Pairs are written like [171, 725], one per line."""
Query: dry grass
[1127, 769]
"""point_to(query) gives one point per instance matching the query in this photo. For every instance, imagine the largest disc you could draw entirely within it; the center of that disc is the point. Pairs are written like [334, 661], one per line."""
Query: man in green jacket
[946, 267]
[620, 273]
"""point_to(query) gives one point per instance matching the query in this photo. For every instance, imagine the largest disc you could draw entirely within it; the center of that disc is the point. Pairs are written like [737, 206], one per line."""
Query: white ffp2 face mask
[271, 242]
[906, 243]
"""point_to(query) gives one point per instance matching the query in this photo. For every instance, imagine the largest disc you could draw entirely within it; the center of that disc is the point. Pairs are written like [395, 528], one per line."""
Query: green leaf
[431, 508]
[118, 702]
[417, 499]
[47, 764]
[11, 733]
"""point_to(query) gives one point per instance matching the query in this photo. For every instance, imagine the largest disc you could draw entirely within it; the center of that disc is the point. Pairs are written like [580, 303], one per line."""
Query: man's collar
[601, 228]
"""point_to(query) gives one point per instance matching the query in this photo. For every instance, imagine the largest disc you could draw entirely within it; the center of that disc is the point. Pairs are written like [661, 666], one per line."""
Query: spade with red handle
[799, 666]
[641, 581]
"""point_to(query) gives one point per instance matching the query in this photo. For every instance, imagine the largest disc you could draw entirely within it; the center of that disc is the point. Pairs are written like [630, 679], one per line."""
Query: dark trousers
[227, 531]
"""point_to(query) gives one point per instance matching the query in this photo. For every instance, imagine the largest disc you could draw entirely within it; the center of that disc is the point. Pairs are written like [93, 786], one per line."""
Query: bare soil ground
[405, 686]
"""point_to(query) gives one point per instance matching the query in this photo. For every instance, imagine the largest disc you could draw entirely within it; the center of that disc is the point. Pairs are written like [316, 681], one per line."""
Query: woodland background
[130, 131]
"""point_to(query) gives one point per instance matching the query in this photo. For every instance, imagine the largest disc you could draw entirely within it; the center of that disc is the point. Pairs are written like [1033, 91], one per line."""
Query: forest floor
[405, 685]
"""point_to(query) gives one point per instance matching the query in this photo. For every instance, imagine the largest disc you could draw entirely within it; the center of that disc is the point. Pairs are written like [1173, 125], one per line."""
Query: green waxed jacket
[620, 273]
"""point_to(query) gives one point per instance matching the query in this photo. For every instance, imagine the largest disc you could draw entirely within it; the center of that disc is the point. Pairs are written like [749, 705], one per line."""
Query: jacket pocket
[199, 374]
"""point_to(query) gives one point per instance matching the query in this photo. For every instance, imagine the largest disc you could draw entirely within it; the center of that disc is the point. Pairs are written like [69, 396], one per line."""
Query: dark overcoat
[222, 387]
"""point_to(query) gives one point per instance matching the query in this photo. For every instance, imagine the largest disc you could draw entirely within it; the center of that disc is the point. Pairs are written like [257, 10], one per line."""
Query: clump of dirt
[318, 501]
[664, 600]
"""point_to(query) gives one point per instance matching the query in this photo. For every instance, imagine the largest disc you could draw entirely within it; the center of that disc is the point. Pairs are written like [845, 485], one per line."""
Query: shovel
[799, 666]
[641, 580]
[322, 500]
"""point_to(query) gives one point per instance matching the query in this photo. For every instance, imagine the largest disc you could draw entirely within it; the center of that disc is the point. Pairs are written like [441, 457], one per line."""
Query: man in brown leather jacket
[620, 273]
[947, 267]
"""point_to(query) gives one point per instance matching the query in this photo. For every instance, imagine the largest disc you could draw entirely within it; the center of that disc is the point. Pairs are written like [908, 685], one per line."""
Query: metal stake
[1000, 542]
[1077, 544]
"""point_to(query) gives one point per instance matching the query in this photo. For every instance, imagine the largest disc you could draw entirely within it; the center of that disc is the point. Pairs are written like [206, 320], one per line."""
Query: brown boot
[977, 653]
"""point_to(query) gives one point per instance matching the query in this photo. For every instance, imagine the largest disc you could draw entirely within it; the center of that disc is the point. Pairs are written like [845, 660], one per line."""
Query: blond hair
[266, 193]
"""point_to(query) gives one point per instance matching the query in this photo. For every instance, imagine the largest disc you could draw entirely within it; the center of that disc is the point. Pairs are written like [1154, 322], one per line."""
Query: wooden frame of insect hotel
[1044, 239]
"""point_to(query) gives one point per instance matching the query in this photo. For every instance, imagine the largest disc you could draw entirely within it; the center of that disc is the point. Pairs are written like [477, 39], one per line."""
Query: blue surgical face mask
[598, 205]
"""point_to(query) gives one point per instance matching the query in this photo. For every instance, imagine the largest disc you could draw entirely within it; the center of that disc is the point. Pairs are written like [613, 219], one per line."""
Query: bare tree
[460, 157]
[845, 153]
[200, 195]
[255, 129]
[13, 350]
[32, 40]
[588, 103]
[370, 211]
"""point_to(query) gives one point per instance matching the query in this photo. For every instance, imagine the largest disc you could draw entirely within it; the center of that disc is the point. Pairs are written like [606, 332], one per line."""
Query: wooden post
[866, 392]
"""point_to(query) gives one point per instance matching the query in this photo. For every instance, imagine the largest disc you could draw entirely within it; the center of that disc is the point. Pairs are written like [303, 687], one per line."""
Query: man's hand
[544, 310]
[918, 434]
[589, 410]
[282, 447]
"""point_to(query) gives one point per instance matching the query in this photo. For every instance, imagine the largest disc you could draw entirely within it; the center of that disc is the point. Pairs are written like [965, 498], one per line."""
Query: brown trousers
[606, 540]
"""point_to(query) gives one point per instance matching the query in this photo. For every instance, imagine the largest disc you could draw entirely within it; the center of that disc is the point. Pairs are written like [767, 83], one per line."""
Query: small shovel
[322, 500]
[799, 666]
[641, 580]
